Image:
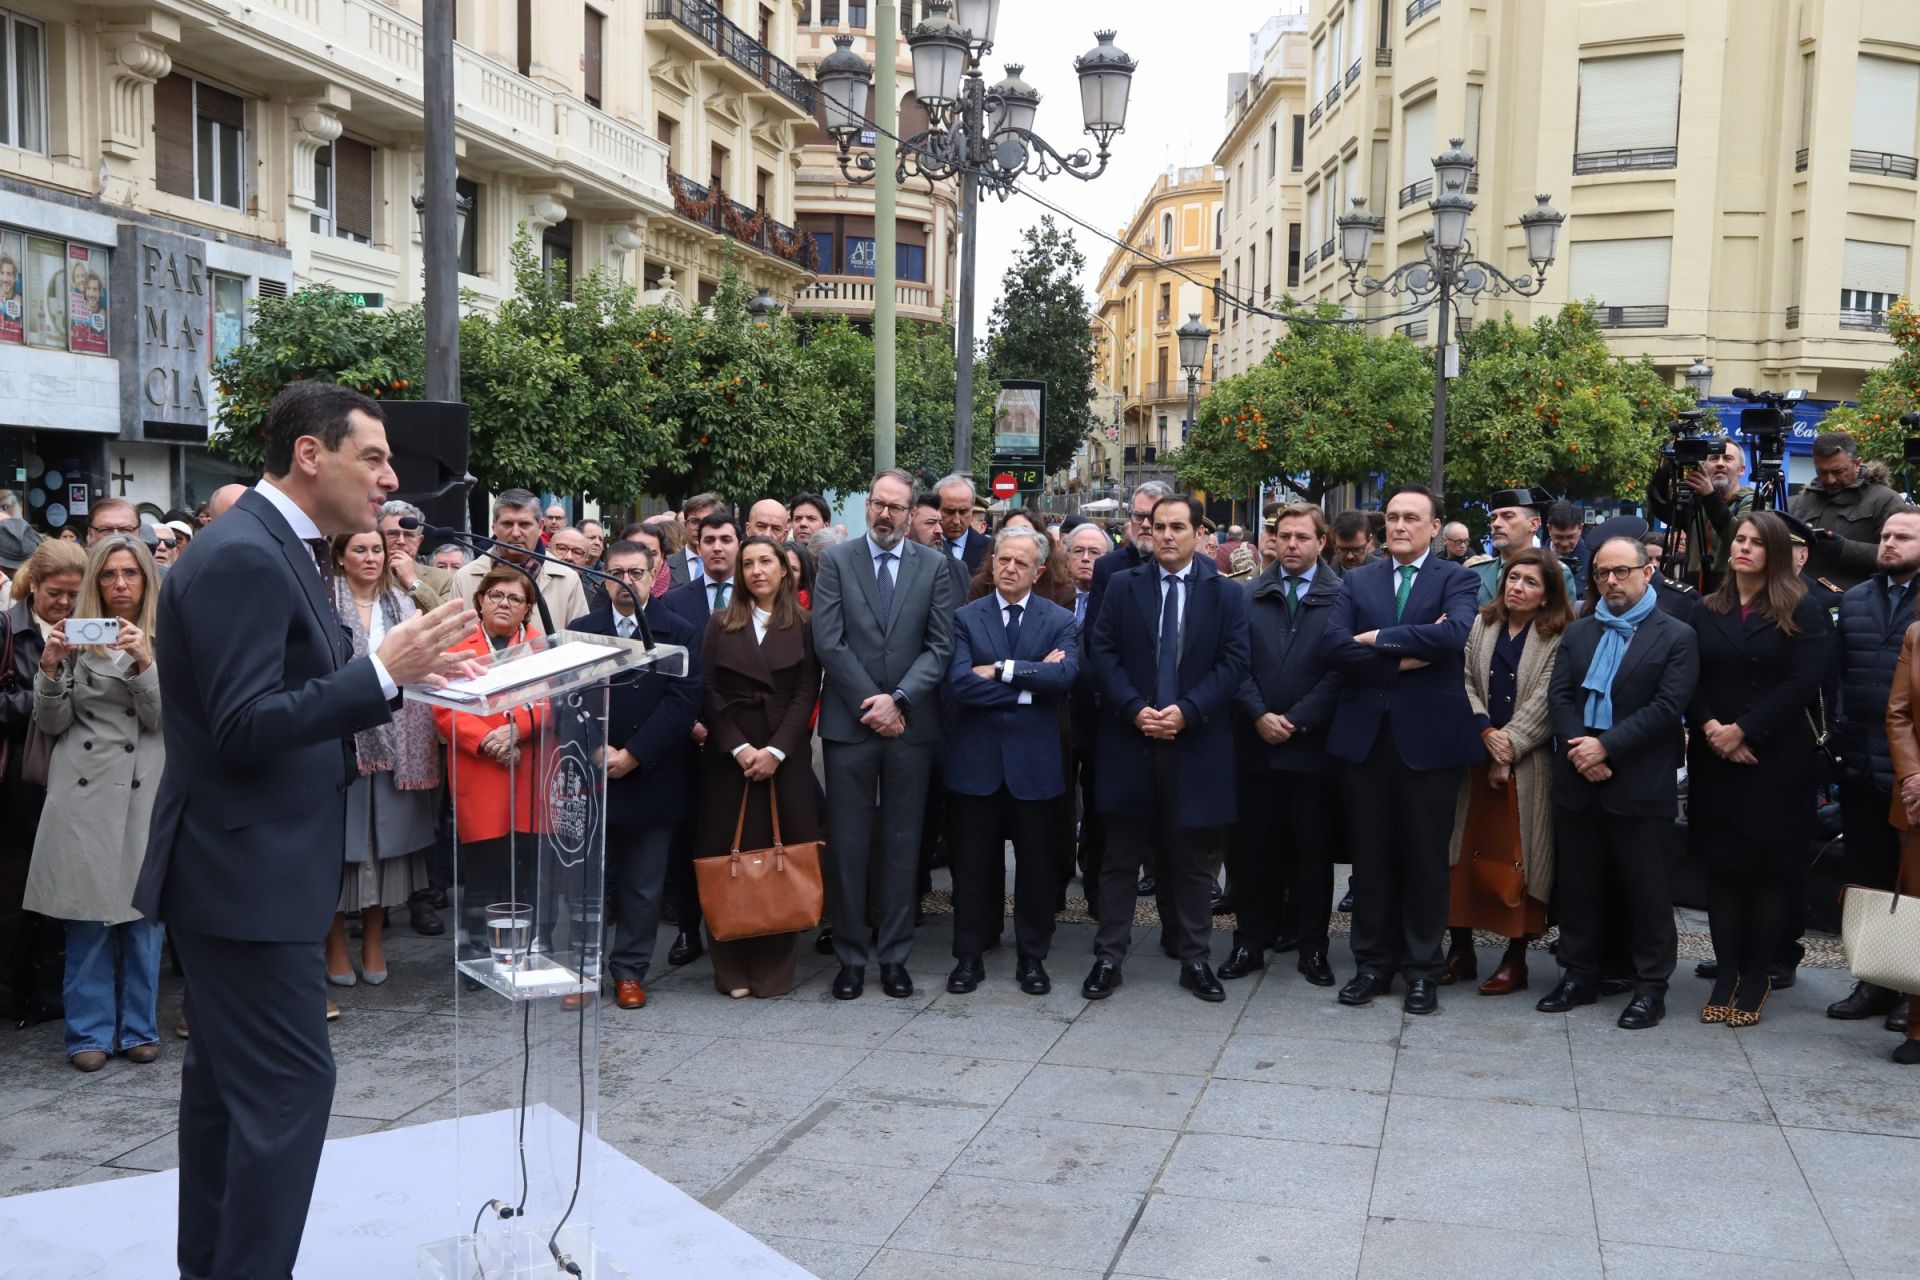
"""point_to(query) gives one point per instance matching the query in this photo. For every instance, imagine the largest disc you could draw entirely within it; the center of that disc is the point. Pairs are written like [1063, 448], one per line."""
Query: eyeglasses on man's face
[114, 530]
[893, 509]
[504, 597]
[634, 573]
[1618, 573]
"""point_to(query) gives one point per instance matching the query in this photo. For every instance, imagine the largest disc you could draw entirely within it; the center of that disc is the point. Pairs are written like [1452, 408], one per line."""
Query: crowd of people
[1494, 742]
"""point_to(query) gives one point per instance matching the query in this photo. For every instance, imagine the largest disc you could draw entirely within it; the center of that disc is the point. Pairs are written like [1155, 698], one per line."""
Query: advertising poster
[13, 251]
[87, 300]
[44, 293]
[1018, 413]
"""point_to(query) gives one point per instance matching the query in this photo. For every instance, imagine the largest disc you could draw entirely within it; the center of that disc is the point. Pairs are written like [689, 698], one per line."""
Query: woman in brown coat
[1903, 742]
[762, 682]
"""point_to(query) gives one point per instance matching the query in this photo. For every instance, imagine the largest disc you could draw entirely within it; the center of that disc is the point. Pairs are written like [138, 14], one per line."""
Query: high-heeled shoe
[1739, 1017]
[1719, 1010]
[1462, 963]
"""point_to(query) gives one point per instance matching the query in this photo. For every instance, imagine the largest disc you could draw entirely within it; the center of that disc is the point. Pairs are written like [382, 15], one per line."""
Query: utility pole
[886, 55]
[439, 238]
[963, 319]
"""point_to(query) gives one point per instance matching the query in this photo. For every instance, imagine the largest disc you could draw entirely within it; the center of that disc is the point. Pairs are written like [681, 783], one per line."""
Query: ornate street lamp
[979, 18]
[1193, 338]
[845, 80]
[1106, 81]
[1019, 101]
[1700, 379]
[763, 307]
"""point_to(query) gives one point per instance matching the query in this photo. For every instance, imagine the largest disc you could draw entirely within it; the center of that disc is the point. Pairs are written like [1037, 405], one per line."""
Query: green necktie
[719, 596]
[1293, 594]
[1406, 589]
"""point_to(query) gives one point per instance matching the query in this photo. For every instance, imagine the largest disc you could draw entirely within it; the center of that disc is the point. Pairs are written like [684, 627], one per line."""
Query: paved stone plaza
[1001, 1137]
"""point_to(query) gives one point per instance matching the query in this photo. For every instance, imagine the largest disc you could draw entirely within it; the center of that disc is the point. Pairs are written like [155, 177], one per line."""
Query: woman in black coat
[762, 682]
[1764, 646]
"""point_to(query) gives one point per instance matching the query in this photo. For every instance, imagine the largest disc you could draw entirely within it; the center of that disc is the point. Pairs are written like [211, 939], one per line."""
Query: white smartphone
[105, 631]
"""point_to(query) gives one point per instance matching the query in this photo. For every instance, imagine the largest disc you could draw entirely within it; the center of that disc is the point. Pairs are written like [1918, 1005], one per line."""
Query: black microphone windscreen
[411, 523]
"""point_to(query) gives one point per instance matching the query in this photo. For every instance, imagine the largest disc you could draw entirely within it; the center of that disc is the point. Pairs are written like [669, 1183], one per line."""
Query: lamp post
[980, 135]
[1448, 269]
[1700, 379]
[1193, 338]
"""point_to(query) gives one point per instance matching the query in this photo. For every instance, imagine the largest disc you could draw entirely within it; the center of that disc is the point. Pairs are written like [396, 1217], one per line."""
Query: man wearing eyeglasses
[112, 517]
[883, 625]
[1134, 552]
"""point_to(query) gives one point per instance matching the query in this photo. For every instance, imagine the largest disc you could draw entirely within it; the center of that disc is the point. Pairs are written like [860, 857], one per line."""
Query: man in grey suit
[883, 626]
[684, 566]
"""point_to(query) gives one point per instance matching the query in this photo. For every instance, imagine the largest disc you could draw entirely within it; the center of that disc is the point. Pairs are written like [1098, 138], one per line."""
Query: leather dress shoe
[1463, 964]
[424, 919]
[1146, 887]
[1907, 1053]
[1314, 968]
[823, 942]
[1865, 1001]
[1897, 1019]
[1423, 997]
[1101, 981]
[1642, 1013]
[1284, 942]
[1564, 996]
[966, 975]
[686, 948]
[1364, 988]
[895, 982]
[1240, 962]
[1032, 977]
[1198, 978]
[849, 982]
[1346, 901]
[1615, 986]
[143, 1053]
[629, 994]
[88, 1060]
[1510, 977]
[1708, 969]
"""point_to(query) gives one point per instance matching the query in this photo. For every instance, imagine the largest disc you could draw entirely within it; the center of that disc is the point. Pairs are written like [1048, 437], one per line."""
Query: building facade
[165, 163]
[837, 215]
[1180, 228]
[1739, 178]
[1263, 156]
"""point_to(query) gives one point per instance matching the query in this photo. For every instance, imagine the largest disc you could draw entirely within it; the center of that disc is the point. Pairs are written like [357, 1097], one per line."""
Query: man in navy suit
[1168, 651]
[243, 859]
[956, 523]
[1014, 661]
[648, 718]
[1399, 634]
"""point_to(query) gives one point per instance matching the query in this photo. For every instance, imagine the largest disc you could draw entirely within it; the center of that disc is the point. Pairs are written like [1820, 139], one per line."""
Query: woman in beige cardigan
[1504, 819]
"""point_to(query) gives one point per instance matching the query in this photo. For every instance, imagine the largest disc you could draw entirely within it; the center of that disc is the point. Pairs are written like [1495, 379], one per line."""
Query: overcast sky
[1176, 116]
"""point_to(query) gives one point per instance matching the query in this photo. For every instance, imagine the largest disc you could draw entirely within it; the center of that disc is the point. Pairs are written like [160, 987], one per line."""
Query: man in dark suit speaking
[243, 861]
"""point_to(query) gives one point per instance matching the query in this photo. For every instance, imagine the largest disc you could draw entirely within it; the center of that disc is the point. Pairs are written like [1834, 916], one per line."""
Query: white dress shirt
[1180, 603]
[306, 530]
[761, 617]
[1006, 668]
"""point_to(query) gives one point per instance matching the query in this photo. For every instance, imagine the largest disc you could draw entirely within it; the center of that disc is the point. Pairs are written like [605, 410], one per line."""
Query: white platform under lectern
[378, 1199]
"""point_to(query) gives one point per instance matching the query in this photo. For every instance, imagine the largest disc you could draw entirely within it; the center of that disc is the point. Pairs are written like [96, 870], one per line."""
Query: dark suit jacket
[759, 693]
[1650, 692]
[649, 715]
[1119, 560]
[1426, 708]
[249, 826]
[992, 740]
[1288, 675]
[679, 569]
[862, 657]
[972, 551]
[692, 602]
[1124, 654]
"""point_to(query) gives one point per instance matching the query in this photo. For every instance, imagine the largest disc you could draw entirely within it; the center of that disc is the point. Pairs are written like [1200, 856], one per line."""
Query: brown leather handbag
[761, 891]
[1491, 842]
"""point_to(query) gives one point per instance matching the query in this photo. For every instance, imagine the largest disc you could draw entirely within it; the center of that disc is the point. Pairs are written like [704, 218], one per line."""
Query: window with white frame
[1872, 276]
[23, 83]
[200, 141]
[1627, 278]
[1629, 116]
[1886, 98]
[343, 191]
[1416, 155]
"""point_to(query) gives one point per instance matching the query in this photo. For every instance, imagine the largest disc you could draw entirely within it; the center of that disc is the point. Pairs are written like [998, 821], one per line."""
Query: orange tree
[1887, 393]
[1330, 405]
[1550, 404]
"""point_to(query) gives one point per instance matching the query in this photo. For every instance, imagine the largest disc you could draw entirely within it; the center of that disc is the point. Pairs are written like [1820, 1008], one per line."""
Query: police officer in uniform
[1513, 526]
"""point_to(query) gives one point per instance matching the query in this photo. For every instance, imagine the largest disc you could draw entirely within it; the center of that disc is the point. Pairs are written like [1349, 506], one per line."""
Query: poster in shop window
[87, 300]
[12, 310]
[44, 293]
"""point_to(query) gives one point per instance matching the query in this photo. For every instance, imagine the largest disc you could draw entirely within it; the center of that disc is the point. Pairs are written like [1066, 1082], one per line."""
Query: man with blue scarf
[1620, 685]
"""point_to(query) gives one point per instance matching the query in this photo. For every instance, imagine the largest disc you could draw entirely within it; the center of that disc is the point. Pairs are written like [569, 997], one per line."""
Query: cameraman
[1846, 507]
[1718, 498]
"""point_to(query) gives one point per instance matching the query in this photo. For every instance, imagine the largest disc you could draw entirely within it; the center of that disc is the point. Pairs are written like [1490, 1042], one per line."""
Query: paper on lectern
[525, 670]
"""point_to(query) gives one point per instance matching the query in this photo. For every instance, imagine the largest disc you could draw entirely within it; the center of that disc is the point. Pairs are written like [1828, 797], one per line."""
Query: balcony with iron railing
[1625, 159]
[1168, 392]
[1311, 261]
[1326, 250]
[703, 19]
[1800, 160]
[1793, 317]
[1383, 57]
[1862, 319]
[1353, 72]
[1420, 9]
[1640, 317]
[1333, 95]
[1885, 163]
[1423, 189]
[1313, 116]
[712, 208]
[1414, 329]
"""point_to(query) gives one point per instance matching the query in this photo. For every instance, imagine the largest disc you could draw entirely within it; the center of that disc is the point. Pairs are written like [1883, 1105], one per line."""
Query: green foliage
[318, 333]
[1549, 404]
[1330, 405]
[1041, 328]
[1886, 394]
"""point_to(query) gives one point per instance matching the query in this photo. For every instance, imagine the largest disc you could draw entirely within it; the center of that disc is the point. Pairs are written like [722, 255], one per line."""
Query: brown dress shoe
[629, 994]
[143, 1053]
[1461, 964]
[88, 1060]
[1510, 977]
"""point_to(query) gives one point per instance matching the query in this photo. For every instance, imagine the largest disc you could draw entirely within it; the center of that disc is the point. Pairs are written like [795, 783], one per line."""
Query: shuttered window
[1629, 113]
[523, 37]
[1355, 34]
[353, 190]
[1886, 96]
[1319, 73]
[173, 135]
[590, 57]
[1872, 276]
[1628, 278]
[1472, 134]
[1417, 147]
[23, 84]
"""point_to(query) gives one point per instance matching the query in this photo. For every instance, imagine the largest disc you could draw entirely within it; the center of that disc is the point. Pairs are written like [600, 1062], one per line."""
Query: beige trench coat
[101, 781]
[1532, 739]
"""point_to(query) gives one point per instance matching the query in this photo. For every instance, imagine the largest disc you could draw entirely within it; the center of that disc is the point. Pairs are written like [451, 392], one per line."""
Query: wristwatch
[901, 701]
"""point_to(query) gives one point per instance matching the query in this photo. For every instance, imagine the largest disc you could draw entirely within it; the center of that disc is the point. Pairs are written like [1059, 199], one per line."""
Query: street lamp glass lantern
[462, 206]
[1020, 101]
[1106, 81]
[845, 80]
[1453, 166]
[940, 52]
[1193, 337]
[979, 18]
[1450, 213]
[1700, 379]
[1542, 225]
[1357, 230]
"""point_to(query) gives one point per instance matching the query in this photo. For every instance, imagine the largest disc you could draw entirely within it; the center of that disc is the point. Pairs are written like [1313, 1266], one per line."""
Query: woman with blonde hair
[100, 703]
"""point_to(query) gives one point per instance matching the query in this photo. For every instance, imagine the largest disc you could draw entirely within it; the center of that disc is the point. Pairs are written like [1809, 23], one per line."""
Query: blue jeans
[112, 985]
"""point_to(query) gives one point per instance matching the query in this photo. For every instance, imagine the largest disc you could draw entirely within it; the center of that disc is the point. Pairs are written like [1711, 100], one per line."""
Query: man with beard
[1136, 551]
[516, 523]
[1565, 528]
[1353, 541]
[1845, 505]
[1513, 525]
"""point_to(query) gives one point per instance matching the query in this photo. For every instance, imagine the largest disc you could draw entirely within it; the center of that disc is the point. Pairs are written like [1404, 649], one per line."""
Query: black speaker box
[429, 442]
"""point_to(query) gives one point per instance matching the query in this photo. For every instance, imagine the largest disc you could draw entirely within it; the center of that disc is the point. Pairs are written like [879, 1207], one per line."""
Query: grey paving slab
[1152, 997]
[1337, 1064]
[89, 1126]
[1179, 1050]
[983, 1035]
[1066, 1153]
[903, 1264]
[35, 1175]
[1002, 1221]
[1881, 1102]
[901, 1135]
[826, 1259]
[766, 1066]
[1653, 1262]
[695, 1137]
[1402, 1249]
[1179, 1238]
[1288, 1006]
[1523, 1062]
[1271, 1171]
[863, 1024]
[1863, 1183]
[1106, 1096]
[1299, 1112]
[886, 1075]
[164, 1152]
[1496, 1132]
[838, 1203]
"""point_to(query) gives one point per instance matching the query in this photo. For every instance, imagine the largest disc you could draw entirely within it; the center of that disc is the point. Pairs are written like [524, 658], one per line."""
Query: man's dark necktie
[1013, 630]
[1167, 682]
[719, 596]
[1293, 594]
[886, 586]
[322, 556]
[1079, 609]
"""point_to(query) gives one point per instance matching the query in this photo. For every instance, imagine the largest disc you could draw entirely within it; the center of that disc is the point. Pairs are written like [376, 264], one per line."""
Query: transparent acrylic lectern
[528, 776]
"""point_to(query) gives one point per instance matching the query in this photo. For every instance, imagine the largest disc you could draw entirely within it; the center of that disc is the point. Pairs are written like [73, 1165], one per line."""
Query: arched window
[1166, 231]
[1219, 228]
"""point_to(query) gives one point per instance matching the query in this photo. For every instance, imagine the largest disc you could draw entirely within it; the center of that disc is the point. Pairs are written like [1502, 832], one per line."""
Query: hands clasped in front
[416, 651]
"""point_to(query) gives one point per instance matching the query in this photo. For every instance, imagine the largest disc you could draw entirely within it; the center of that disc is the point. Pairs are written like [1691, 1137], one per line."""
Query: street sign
[1004, 485]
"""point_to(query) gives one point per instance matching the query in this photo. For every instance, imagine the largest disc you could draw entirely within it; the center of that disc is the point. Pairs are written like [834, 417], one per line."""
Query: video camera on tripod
[1692, 438]
[1765, 427]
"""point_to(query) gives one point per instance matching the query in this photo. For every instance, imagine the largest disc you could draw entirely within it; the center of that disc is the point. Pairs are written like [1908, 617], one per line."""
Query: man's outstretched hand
[416, 651]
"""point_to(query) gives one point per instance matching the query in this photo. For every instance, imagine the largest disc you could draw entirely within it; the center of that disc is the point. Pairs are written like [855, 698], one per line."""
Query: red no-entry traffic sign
[1004, 485]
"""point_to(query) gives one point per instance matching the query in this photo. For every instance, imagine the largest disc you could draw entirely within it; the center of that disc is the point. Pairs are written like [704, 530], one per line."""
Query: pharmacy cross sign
[123, 475]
